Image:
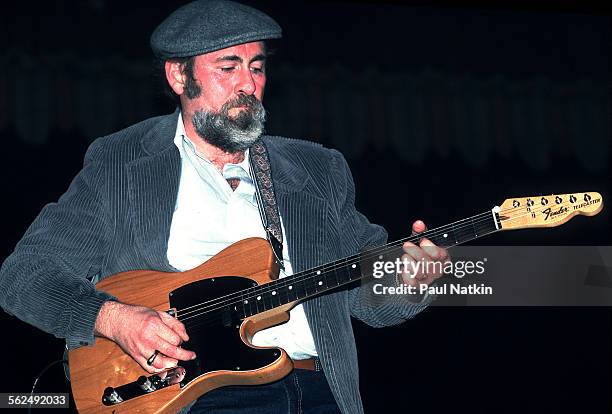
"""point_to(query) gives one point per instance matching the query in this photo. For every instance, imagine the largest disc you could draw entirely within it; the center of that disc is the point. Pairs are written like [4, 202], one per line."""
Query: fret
[300, 289]
[267, 302]
[463, 231]
[240, 310]
[332, 279]
[246, 306]
[250, 305]
[353, 271]
[283, 293]
[329, 279]
[342, 275]
[454, 235]
[261, 306]
[485, 226]
[273, 295]
[291, 292]
[320, 283]
[310, 285]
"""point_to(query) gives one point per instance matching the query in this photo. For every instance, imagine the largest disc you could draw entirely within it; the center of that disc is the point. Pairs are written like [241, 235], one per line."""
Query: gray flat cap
[208, 25]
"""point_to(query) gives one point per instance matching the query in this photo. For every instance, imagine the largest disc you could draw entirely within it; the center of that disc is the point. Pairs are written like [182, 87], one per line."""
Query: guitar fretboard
[320, 279]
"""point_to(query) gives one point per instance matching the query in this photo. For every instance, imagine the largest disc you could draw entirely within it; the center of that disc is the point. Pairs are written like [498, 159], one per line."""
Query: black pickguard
[215, 336]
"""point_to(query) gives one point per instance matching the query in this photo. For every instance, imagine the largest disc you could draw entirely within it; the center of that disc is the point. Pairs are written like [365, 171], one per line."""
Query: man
[172, 191]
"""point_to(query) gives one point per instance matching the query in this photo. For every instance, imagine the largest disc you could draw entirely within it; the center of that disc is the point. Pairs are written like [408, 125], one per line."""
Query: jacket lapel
[305, 218]
[153, 188]
[303, 210]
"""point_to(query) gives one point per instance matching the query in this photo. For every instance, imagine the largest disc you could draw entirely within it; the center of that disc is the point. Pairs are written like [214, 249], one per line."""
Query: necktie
[233, 173]
[233, 182]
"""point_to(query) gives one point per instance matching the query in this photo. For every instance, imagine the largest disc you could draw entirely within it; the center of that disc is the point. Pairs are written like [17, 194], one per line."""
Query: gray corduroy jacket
[116, 217]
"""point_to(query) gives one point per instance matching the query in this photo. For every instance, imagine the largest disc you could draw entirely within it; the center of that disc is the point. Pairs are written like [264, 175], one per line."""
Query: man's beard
[232, 134]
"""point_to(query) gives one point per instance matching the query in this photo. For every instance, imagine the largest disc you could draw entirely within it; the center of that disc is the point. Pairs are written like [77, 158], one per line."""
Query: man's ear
[175, 76]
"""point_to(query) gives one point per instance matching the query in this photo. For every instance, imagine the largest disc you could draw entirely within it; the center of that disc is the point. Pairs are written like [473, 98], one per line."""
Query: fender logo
[549, 213]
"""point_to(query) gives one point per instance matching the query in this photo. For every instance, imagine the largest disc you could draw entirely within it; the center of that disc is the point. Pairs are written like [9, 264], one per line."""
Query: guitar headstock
[547, 211]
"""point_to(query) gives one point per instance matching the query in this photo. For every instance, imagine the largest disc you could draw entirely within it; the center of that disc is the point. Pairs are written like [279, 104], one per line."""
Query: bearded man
[171, 192]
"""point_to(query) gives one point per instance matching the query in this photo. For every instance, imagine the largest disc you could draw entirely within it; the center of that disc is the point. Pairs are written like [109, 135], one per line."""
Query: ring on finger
[151, 359]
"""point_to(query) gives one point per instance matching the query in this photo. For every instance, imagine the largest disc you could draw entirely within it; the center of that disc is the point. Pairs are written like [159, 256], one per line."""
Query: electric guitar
[226, 300]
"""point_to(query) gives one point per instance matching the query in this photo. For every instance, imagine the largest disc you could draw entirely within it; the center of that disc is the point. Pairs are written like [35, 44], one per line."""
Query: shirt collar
[180, 138]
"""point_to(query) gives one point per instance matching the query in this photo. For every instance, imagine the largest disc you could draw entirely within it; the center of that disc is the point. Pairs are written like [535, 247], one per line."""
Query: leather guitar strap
[266, 198]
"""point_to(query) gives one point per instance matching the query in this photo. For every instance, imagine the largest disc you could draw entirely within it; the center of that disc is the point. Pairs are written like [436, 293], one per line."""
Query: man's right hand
[141, 331]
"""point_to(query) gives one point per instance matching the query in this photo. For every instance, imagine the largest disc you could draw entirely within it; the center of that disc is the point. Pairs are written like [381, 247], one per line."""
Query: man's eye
[257, 70]
[228, 69]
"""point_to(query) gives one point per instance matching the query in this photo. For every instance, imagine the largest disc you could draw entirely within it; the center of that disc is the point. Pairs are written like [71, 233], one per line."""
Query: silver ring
[152, 358]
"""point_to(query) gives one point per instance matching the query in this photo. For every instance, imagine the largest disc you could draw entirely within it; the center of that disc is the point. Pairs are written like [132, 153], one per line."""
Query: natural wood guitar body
[103, 365]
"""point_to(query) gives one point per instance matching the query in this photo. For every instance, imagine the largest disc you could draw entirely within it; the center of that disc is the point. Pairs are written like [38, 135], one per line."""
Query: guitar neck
[308, 283]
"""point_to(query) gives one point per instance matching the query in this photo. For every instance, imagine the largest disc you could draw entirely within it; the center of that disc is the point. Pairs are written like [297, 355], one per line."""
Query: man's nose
[246, 83]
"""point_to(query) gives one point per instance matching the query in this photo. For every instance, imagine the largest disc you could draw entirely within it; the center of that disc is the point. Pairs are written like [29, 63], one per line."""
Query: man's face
[227, 112]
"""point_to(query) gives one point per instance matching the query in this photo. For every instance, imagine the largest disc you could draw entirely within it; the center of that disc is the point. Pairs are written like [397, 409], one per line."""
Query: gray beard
[232, 134]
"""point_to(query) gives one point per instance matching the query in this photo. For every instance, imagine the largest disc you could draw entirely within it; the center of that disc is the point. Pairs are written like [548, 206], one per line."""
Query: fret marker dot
[380, 257]
[290, 287]
[445, 235]
[320, 283]
[273, 292]
[258, 297]
[246, 301]
[354, 266]
[318, 272]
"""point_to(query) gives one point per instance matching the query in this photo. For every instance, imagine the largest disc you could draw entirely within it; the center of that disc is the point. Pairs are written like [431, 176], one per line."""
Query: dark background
[442, 110]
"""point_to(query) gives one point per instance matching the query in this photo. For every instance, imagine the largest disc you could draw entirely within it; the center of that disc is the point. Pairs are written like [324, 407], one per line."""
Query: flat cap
[204, 26]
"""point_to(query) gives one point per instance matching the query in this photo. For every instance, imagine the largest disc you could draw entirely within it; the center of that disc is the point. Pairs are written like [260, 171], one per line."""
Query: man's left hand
[422, 268]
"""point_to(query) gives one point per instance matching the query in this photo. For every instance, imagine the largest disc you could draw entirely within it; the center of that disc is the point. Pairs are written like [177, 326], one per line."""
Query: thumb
[418, 227]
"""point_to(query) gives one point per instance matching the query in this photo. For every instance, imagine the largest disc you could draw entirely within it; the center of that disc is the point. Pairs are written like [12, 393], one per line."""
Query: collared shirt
[209, 216]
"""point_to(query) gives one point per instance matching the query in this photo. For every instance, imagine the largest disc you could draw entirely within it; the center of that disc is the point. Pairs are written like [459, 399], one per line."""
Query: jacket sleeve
[46, 280]
[357, 234]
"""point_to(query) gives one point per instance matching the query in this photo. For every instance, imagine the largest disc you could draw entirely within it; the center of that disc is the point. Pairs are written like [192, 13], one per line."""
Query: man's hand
[421, 268]
[141, 331]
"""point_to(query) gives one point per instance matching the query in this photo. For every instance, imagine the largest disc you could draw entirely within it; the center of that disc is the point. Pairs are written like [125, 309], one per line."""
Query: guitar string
[342, 262]
[208, 319]
[304, 277]
[429, 233]
[332, 266]
[212, 319]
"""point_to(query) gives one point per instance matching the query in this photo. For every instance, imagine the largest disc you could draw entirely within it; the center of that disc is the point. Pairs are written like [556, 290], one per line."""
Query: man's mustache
[248, 101]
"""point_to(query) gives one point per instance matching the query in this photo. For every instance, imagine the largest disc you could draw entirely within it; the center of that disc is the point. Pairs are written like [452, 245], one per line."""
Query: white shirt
[209, 216]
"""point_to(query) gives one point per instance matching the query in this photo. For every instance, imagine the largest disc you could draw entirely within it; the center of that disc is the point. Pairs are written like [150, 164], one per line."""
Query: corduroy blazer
[116, 216]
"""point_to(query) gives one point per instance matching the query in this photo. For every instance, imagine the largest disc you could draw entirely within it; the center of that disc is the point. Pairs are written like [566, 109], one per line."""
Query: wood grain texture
[104, 364]
[547, 211]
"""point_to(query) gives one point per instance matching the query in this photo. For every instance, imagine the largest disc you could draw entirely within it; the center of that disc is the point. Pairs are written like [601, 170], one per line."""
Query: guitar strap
[266, 198]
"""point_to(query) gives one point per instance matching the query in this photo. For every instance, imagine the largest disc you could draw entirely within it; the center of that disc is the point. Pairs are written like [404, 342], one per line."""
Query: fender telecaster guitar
[221, 312]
